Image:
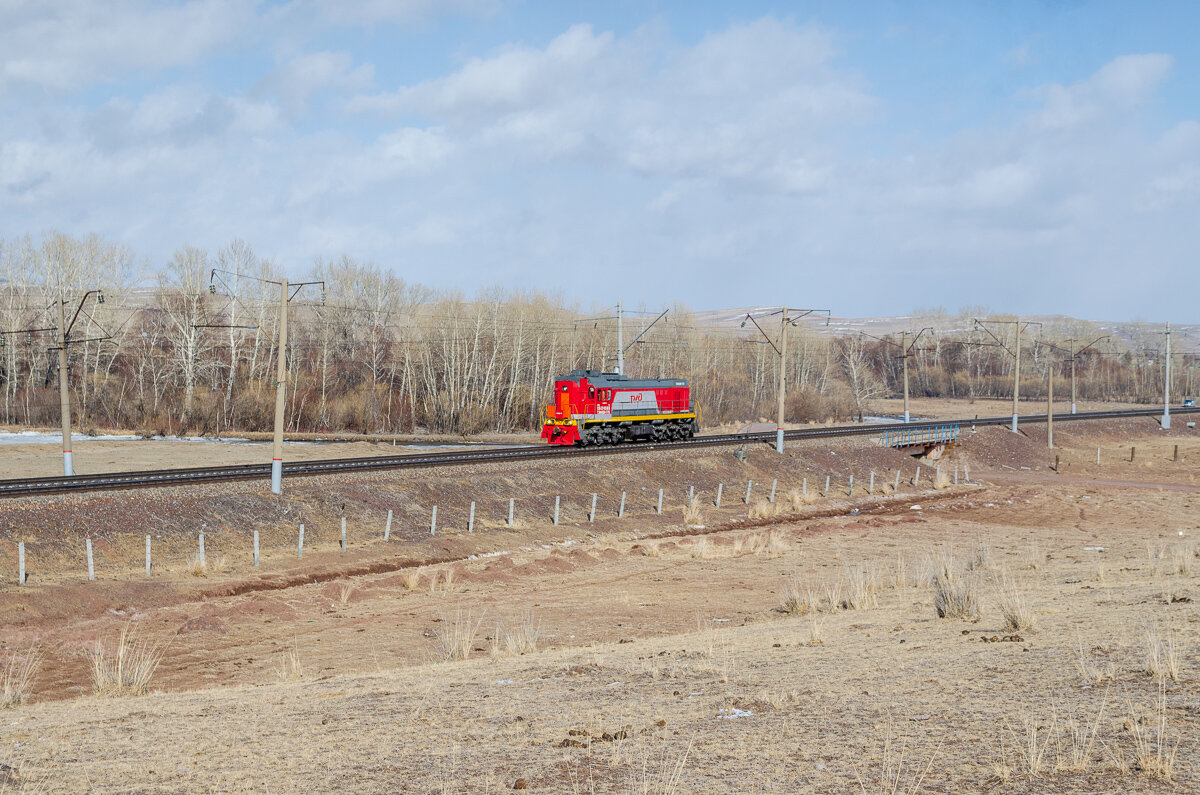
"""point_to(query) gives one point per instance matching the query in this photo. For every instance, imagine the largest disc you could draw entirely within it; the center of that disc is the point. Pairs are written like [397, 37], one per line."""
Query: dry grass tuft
[455, 635]
[411, 580]
[692, 516]
[954, 596]
[127, 669]
[197, 566]
[16, 681]
[345, 592]
[1080, 740]
[861, 589]
[897, 775]
[1153, 750]
[980, 556]
[1182, 556]
[797, 599]
[941, 480]
[1032, 742]
[1018, 617]
[288, 668]
[1162, 655]
[657, 775]
[521, 638]
[1091, 672]
[797, 499]
[765, 510]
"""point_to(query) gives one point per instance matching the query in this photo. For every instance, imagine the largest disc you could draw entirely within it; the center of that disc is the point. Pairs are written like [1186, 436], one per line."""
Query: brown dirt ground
[664, 637]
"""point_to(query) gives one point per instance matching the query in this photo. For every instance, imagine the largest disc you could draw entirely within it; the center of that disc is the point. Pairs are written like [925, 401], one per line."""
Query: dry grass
[411, 580]
[1080, 740]
[288, 667]
[1153, 749]
[16, 681]
[127, 668]
[762, 509]
[1182, 556]
[1162, 655]
[1018, 617]
[797, 599]
[345, 592]
[954, 595]
[660, 774]
[980, 556]
[197, 566]
[1091, 672]
[521, 638]
[897, 774]
[455, 635]
[797, 499]
[861, 589]
[941, 480]
[692, 516]
[702, 549]
[1031, 744]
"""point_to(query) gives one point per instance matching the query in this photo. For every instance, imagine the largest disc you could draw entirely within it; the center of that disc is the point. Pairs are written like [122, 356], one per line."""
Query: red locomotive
[591, 407]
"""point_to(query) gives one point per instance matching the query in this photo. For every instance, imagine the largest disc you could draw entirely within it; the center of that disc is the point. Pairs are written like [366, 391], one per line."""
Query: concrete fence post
[511, 502]
[471, 520]
[896, 487]
[343, 542]
[804, 488]
[592, 514]
[871, 484]
[387, 528]
[300, 542]
[774, 483]
[749, 485]
[20, 563]
[621, 510]
[720, 488]
[691, 494]
[660, 493]
[556, 498]
[851, 493]
[1097, 456]
[967, 473]
[91, 568]
[433, 522]
[917, 477]
[203, 556]
[956, 474]
[147, 556]
[256, 548]
[826, 494]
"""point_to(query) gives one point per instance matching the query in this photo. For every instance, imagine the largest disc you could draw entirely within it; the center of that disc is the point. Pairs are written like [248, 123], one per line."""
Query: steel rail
[19, 487]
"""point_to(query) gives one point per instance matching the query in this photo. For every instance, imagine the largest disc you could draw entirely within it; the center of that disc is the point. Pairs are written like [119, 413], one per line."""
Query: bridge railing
[912, 437]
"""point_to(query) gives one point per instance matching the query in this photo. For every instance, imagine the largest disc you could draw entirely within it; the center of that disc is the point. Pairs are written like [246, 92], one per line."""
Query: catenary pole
[64, 394]
[783, 338]
[280, 382]
[1166, 417]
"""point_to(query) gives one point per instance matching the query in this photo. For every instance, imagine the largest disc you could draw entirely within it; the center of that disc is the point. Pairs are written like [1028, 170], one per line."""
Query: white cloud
[1120, 85]
[297, 81]
[753, 105]
[64, 46]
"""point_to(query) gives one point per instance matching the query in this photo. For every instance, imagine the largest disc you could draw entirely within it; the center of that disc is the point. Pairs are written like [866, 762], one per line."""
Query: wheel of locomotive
[657, 434]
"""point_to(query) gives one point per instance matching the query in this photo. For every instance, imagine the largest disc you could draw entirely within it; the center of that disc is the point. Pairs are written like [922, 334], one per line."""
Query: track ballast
[21, 487]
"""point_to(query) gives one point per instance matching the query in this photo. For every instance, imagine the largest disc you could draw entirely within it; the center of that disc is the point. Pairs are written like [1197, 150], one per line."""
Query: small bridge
[921, 440]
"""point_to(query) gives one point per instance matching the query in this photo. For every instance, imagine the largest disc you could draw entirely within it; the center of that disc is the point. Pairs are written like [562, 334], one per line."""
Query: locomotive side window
[591, 393]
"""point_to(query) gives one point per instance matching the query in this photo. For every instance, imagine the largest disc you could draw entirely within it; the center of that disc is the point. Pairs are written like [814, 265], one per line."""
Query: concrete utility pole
[620, 341]
[904, 347]
[1073, 382]
[781, 349]
[783, 337]
[1017, 378]
[64, 394]
[281, 366]
[1166, 417]
[280, 381]
[1049, 406]
[1075, 353]
[1015, 353]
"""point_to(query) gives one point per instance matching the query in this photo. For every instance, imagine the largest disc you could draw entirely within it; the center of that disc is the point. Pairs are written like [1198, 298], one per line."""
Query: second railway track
[167, 477]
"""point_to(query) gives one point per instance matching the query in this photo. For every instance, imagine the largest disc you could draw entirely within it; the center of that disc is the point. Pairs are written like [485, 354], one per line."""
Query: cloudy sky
[870, 158]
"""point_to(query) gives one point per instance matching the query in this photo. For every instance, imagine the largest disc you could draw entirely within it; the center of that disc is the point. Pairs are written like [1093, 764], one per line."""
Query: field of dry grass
[779, 654]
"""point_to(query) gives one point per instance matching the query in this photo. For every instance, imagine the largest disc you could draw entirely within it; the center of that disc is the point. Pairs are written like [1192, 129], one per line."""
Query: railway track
[22, 487]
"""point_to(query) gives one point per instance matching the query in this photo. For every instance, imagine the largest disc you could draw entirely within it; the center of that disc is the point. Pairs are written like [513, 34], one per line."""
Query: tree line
[189, 347]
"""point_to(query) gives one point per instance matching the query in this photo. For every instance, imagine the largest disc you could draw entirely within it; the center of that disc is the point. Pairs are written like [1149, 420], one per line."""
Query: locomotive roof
[618, 381]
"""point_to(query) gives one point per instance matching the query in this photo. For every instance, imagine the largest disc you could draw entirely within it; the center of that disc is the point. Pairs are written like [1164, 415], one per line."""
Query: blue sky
[872, 158]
